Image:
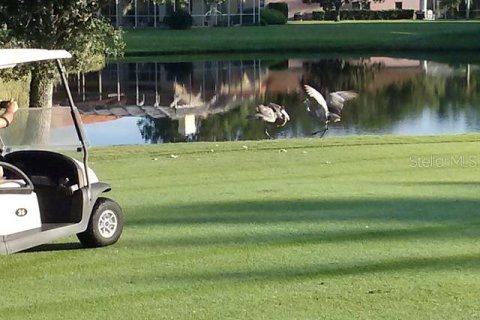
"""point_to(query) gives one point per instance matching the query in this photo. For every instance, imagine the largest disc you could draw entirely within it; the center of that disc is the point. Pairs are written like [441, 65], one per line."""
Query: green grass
[340, 228]
[401, 36]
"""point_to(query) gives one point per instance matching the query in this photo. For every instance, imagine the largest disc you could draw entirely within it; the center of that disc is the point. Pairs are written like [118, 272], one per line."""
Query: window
[398, 5]
[360, 5]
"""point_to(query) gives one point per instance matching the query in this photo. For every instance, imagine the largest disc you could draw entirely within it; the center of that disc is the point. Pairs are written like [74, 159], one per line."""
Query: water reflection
[211, 100]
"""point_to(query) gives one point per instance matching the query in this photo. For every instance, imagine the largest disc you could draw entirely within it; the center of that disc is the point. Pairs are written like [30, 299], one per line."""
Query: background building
[431, 8]
[147, 13]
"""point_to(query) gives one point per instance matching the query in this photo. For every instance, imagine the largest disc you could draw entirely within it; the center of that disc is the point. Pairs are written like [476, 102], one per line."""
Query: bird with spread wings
[329, 110]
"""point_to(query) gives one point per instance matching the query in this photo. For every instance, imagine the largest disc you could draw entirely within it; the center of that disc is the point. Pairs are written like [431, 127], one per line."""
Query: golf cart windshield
[40, 129]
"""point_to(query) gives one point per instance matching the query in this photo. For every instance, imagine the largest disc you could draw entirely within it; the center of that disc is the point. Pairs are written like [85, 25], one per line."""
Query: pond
[158, 102]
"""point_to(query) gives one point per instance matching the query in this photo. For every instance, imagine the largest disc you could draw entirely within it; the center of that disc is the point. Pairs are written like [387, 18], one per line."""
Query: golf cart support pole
[76, 121]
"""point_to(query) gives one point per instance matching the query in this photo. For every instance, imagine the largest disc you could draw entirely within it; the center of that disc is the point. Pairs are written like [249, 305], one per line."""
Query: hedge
[272, 16]
[318, 15]
[179, 19]
[364, 14]
[279, 6]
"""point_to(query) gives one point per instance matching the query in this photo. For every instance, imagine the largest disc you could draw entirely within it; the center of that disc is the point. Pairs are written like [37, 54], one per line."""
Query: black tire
[105, 225]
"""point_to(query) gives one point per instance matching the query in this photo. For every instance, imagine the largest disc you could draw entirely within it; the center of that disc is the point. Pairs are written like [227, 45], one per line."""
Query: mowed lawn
[407, 36]
[336, 228]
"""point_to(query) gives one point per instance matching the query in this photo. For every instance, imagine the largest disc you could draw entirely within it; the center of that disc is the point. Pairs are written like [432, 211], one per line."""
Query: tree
[74, 25]
[451, 5]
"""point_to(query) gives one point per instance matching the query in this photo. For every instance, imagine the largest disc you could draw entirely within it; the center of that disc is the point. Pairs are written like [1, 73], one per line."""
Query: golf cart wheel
[105, 225]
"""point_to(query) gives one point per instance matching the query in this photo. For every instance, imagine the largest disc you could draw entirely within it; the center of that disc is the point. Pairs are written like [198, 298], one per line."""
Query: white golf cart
[46, 193]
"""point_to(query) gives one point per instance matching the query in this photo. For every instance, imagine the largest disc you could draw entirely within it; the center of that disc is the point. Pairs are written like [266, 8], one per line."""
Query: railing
[225, 20]
[462, 14]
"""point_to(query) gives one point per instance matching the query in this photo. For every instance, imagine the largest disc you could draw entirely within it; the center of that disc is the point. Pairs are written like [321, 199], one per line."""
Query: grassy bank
[324, 37]
[347, 228]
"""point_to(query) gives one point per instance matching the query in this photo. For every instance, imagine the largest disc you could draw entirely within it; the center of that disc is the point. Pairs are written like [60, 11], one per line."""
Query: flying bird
[272, 113]
[329, 110]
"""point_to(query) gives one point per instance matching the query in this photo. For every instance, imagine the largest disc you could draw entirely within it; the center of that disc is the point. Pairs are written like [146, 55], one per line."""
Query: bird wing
[265, 113]
[336, 100]
[280, 113]
[347, 95]
[317, 96]
[276, 107]
[284, 117]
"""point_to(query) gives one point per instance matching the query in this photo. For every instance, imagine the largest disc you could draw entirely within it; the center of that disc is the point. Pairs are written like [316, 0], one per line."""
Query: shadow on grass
[462, 262]
[442, 183]
[56, 247]
[420, 219]
[314, 211]
[298, 237]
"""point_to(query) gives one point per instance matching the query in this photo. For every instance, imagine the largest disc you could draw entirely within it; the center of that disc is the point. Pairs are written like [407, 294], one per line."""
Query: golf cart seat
[7, 184]
[45, 167]
[55, 179]
[10, 183]
[13, 181]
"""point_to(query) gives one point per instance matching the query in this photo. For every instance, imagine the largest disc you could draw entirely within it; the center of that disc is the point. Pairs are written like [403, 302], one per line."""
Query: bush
[364, 15]
[406, 14]
[318, 15]
[297, 16]
[307, 16]
[179, 19]
[330, 15]
[279, 6]
[348, 15]
[272, 16]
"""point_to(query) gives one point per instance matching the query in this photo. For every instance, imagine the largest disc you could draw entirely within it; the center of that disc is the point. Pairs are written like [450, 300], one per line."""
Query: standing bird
[272, 113]
[329, 110]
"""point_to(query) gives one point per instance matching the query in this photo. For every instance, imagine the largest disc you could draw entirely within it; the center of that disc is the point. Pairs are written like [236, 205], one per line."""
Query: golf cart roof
[11, 57]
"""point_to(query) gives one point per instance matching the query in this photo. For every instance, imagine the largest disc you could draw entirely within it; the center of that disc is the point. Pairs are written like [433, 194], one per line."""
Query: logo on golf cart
[21, 212]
